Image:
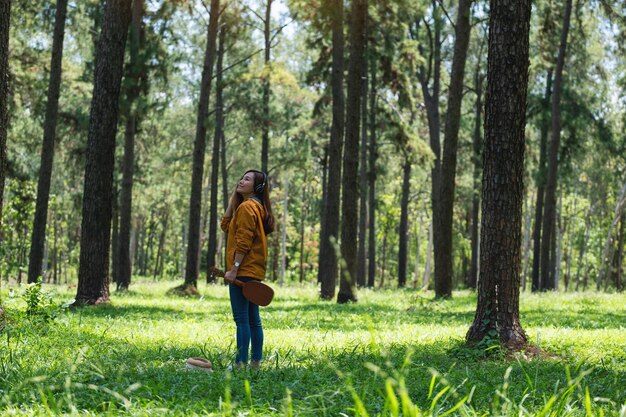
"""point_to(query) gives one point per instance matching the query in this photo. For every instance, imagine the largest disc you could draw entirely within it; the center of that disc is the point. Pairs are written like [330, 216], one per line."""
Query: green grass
[395, 352]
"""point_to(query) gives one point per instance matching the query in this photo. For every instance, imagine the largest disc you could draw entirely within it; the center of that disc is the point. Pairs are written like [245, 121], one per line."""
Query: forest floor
[395, 352]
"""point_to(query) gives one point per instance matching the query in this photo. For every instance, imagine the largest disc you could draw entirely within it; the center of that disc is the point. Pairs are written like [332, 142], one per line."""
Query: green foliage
[39, 303]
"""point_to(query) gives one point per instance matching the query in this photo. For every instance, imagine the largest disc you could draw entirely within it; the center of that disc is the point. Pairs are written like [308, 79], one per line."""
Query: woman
[247, 220]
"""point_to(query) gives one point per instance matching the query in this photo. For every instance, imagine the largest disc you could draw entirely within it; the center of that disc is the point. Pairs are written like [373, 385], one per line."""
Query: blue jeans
[248, 321]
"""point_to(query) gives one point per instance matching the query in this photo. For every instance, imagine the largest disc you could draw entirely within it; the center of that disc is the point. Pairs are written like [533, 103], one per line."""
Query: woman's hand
[229, 276]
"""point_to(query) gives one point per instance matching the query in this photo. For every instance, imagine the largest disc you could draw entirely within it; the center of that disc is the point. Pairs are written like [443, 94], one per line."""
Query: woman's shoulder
[250, 205]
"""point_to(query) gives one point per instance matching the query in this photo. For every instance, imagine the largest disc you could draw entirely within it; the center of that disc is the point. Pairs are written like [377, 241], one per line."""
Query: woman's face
[246, 184]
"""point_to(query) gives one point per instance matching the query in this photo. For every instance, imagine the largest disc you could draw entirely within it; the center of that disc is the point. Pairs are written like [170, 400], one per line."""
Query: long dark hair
[262, 192]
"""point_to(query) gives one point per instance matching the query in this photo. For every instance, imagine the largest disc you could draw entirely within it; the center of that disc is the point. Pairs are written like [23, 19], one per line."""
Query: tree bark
[444, 268]
[431, 101]
[327, 273]
[215, 154]
[265, 140]
[5, 14]
[371, 177]
[361, 258]
[541, 183]
[192, 265]
[38, 236]
[477, 160]
[350, 184]
[403, 230]
[134, 75]
[553, 152]
[93, 271]
[497, 310]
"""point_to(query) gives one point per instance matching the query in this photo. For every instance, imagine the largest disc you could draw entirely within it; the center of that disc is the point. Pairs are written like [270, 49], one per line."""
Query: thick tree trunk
[327, 273]
[541, 182]
[444, 268]
[93, 271]
[192, 265]
[215, 154]
[497, 311]
[5, 13]
[553, 153]
[403, 231]
[265, 140]
[371, 177]
[283, 235]
[350, 183]
[38, 236]
[134, 74]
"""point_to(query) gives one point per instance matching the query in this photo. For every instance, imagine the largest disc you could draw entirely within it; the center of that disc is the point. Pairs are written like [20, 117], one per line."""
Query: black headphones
[260, 187]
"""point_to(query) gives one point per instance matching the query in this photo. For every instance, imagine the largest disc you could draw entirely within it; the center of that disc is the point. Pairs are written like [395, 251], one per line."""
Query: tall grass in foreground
[395, 353]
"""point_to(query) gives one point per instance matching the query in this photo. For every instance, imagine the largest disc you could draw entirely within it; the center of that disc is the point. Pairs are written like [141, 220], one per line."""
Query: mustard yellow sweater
[246, 235]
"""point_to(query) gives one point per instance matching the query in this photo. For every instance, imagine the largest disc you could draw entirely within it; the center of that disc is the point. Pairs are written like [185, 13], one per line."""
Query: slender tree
[371, 176]
[38, 237]
[265, 140]
[361, 258]
[541, 184]
[443, 254]
[215, 154]
[547, 264]
[136, 71]
[5, 14]
[350, 183]
[327, 272]
[192, 265]
[497, 310]
[403, 229]
[93, 272]
[476, 159]
[429, 76]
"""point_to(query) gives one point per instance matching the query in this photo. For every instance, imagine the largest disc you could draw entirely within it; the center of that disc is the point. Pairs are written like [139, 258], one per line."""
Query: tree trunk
[606, 255]
[265, 140]
[361, 258]
[540, 182]
[497, 310]
[93, 271]
[443, 256]
[115, 239]
[477, 160]
[350, 183]
[417, 252]
[134, 74]
[158, 265]
[371, 177]
[303, 213]
[526, 246]
[620, 255]
[192, 265]
[404, 222]
[327, 273]
[553, 152]
[5, 14]
[283, 235]
[429, 257]
[431, 102]
[38, 236]
[215, 155]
